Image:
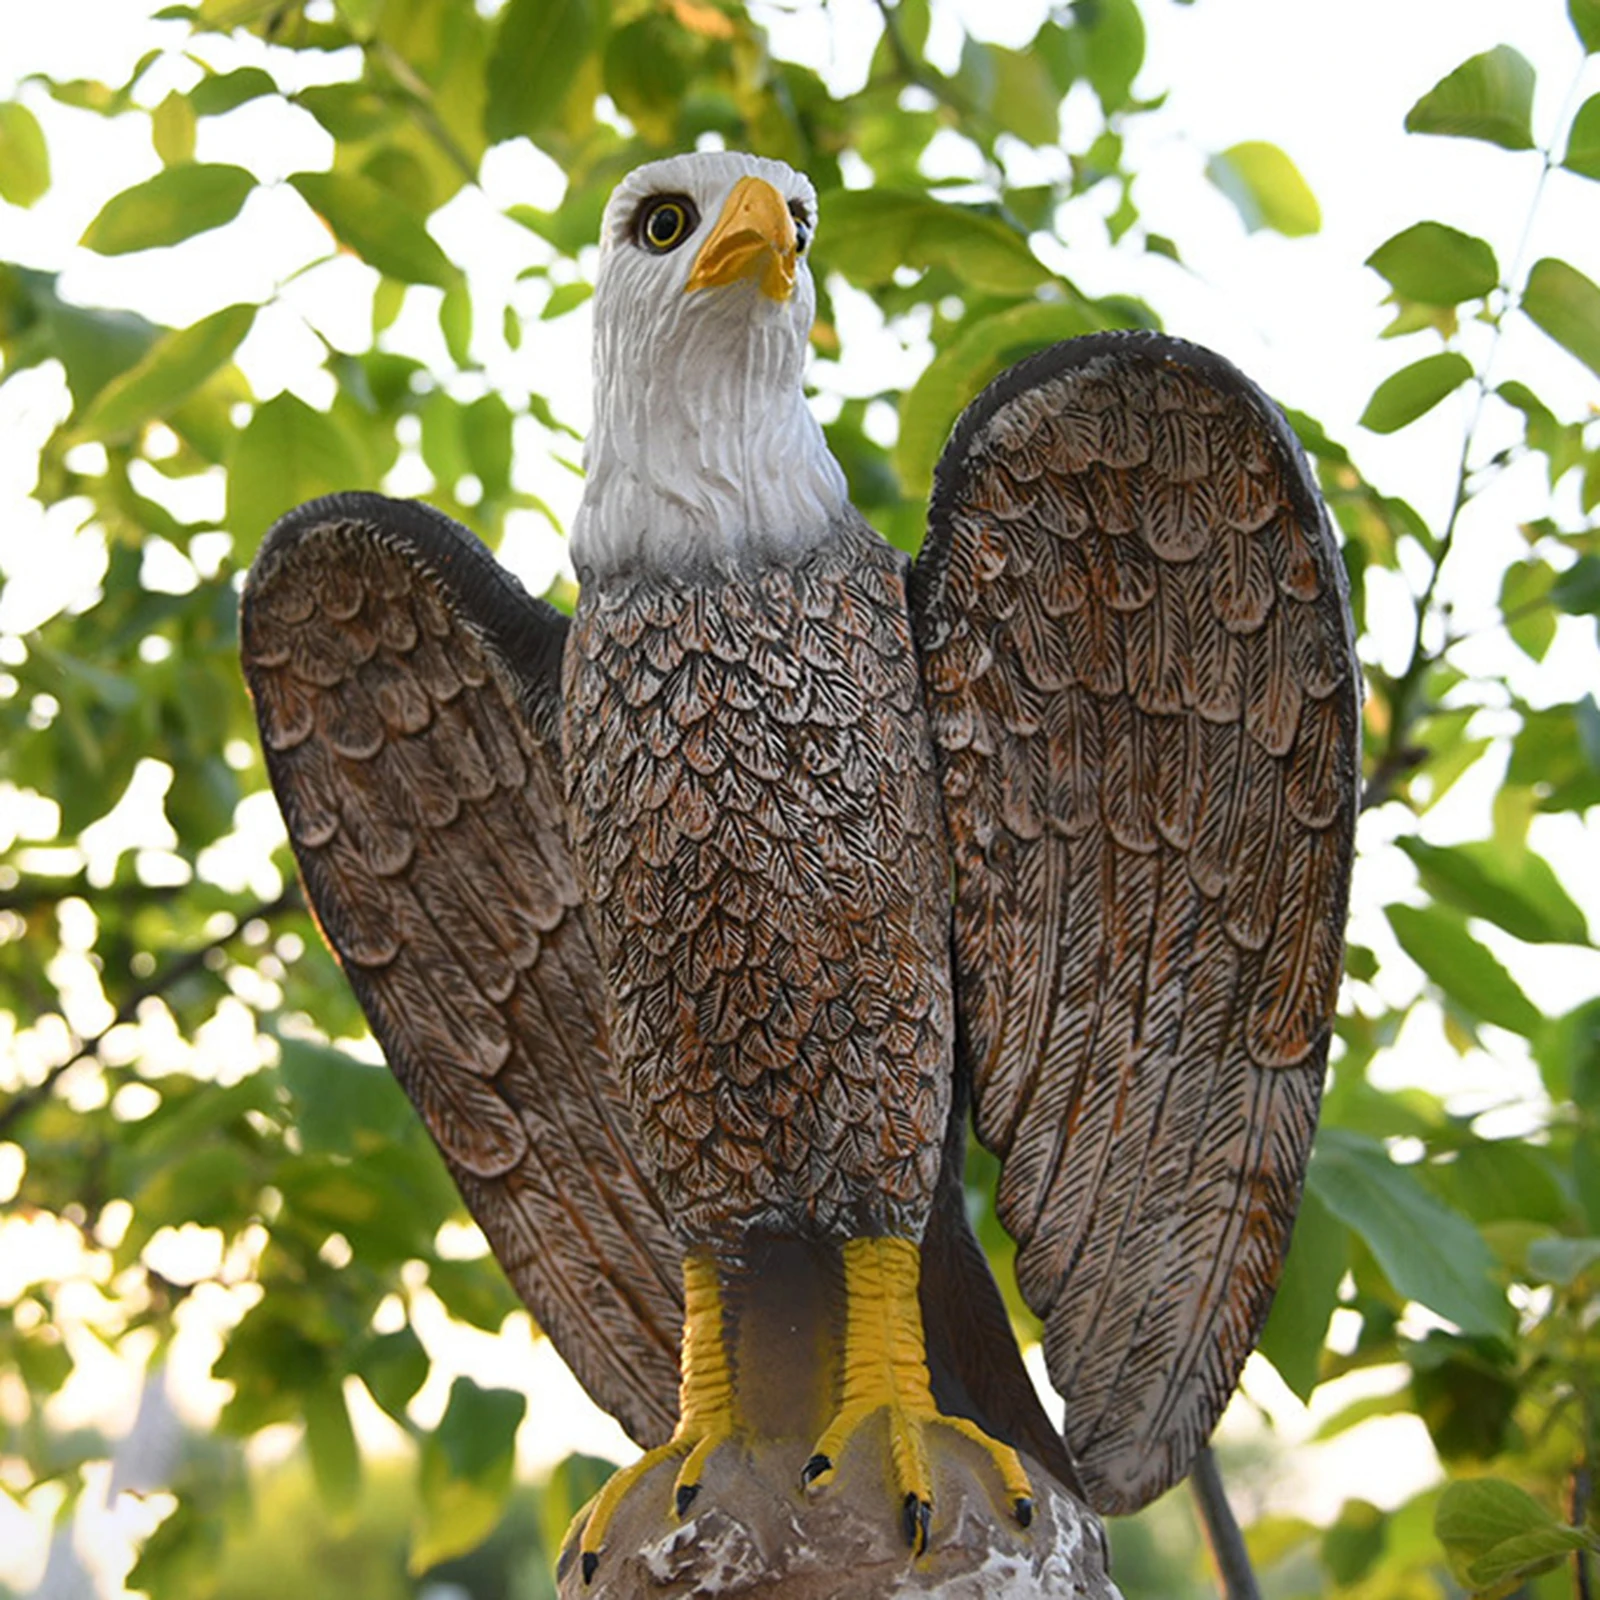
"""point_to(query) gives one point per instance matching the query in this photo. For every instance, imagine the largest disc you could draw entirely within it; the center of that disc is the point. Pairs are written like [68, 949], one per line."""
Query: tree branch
[1222, 1533]
[190, 961]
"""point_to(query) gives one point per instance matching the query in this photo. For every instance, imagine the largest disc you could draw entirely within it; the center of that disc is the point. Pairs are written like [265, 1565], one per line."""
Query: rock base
[753, 1531]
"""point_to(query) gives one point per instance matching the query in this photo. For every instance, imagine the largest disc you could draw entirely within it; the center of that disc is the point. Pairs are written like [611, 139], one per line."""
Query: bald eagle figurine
[698, 926]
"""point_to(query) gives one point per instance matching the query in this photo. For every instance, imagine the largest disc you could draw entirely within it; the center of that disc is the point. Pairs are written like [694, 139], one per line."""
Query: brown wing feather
[407, 694]
[1140, 675]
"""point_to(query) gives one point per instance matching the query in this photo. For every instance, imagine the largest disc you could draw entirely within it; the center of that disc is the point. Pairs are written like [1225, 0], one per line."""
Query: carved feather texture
[1141, 679]
[755, 819]
[407, 693]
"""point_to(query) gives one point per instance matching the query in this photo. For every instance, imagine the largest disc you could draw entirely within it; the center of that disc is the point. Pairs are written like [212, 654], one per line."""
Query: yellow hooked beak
[754, 238]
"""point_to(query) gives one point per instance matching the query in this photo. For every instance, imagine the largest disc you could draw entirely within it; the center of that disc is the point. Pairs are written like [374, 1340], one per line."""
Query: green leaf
[1471, 978]
[487, 432]
[1266, 187]
[172, 130]
[1525, 608]
[1437, 265]
[221, 92]
[24, 156]
[1583, 141]
[1025, 100]
[870, 233]
[1563, 1261]
[565, 297]
[1428, 1252]
[646, 72]
[341, 1105]
[1413, 391]
[1108, 38]
[1577, 590]
[574, 1481]
[366, 219]
[286, 454]
[176, 204]
[1355, 1542]
[1465, 1391]
[955, 376]
[1585, 18]
[1488, 97]
[394, 1366]
[1518, 892]
[166, 375]
[538, 49]
[1496, 1535]
[331, 1444]
[1567, 306]
[467, 1466]
[1307, 1294]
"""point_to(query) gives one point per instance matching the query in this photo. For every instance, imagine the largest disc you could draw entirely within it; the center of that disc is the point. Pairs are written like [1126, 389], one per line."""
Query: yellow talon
[705, 1410]
[886, 1369]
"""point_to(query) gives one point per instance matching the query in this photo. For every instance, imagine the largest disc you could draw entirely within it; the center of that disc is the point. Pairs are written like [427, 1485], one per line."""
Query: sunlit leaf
[176, 204]
[869, 234]
[1585, 19]
[331, 1444]
[1430, 1253]
[956, 375]
[166, 375]
[24, 156]
[1488, 97]
[1520, 893]
[173, 129]
[1566, 304]
[1266, 187]
[1413, 391]
[366, 219]
[1307, 1294]
[287, 453]
[220, 92]
[1436, 264]
[1583, 142]
[1496, 1535]
[394, 1366]
[467, 1464]
[1468, 974]
[1525, 606]
[538, 49]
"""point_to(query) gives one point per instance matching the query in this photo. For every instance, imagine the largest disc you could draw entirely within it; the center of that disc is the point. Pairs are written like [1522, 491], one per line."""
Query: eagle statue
[698, 925]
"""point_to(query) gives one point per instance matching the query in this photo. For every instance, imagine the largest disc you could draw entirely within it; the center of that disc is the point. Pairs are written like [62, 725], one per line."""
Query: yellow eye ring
[665, 223]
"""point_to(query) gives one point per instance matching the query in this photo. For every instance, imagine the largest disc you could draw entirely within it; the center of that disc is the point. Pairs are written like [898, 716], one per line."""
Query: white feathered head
[703, 450]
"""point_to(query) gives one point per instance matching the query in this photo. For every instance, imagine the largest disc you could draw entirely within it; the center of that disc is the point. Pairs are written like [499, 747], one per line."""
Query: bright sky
[1330, 85]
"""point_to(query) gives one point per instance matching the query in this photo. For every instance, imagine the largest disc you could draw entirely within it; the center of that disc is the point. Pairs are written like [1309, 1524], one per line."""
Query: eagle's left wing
[408, 691]
[1138, 664]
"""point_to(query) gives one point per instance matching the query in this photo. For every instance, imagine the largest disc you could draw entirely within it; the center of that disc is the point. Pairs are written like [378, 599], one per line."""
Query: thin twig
[25, 1100]
[1222, 1533]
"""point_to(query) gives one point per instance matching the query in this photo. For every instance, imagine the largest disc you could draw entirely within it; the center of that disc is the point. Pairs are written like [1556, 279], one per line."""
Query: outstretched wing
[407, 691]
[1141, 679]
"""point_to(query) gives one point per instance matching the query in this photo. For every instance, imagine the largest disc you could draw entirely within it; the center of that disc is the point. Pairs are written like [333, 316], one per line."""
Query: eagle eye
[665, 222]
[802, 225]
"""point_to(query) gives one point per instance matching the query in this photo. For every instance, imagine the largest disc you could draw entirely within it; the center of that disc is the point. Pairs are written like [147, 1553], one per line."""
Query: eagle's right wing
[1141, 680]
[407, 691]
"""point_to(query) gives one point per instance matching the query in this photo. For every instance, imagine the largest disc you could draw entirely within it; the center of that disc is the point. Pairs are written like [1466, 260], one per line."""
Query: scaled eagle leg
[885, 1368]
[705, 1408]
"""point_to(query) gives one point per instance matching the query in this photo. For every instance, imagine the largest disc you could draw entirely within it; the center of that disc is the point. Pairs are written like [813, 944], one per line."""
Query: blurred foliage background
[197, 1151]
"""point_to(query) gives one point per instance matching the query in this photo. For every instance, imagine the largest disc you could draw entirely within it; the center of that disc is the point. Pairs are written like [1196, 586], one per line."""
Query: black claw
[813, 1469]
[686, 1494]
[591, 1560]
[915, 1515]
[1023, 1511]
